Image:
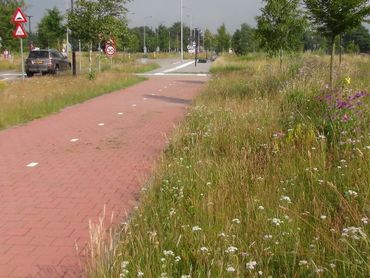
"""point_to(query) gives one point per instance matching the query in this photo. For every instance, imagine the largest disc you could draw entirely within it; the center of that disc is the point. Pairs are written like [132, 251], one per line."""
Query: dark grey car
[46, 61]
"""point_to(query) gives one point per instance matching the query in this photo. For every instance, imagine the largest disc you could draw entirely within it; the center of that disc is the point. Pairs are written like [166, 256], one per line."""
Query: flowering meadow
[268, 176]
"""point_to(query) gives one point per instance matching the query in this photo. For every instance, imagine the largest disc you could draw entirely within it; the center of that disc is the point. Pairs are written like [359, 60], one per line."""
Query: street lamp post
[29, 32]
[169, 41]
[182, 33]
[145, 49]
[74, 71]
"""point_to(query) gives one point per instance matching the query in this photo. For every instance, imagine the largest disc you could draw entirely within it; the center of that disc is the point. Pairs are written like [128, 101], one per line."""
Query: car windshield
[39, 54]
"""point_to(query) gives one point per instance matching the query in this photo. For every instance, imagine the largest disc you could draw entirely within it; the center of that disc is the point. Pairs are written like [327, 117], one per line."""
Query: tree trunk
[281, 59]
[332, 63]
[340, 51]
[90, 58]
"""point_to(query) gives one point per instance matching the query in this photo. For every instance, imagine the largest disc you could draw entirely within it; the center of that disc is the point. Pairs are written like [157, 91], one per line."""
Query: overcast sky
[202, 13]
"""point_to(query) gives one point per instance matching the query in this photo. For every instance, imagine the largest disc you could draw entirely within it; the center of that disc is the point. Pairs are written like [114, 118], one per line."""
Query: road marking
[73, 140]
[11, 74]
[145, 98]
[179, 67]
[101, 124]
[32, 164]
[174, 74]
[134, 105]
[120, 113]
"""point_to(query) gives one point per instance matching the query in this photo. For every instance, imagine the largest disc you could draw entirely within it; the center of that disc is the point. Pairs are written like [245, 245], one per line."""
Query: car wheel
[56, 71]
[29, 74]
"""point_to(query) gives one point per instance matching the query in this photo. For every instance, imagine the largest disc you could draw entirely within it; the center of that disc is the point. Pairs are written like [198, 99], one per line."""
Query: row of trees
[282, 26]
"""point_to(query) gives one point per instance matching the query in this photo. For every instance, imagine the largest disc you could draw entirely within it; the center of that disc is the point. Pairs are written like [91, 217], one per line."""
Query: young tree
[243, 40]
[93, 21]
[209, 40]
[51, 30]
[7, 8]
[335, 17]
[223, 39]
[280, 27]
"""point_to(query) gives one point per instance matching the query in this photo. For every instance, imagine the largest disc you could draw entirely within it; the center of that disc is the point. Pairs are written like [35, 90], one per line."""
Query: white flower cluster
[286, 199]
[196, 229]
[231, 250]
[276, 221]
[251, 265]
[355, 233]
[124, 271]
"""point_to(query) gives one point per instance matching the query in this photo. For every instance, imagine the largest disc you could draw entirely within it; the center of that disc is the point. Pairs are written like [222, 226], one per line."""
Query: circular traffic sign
[110, 50]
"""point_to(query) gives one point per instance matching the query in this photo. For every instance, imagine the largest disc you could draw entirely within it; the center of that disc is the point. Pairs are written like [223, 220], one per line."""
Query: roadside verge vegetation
[38, 97]
[268, 176]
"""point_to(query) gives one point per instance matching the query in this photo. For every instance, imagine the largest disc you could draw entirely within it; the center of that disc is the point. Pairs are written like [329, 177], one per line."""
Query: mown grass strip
[269, 176]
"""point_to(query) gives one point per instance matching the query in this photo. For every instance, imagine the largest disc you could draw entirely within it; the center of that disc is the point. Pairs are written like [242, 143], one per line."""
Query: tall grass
[34, 98]
[266, 177]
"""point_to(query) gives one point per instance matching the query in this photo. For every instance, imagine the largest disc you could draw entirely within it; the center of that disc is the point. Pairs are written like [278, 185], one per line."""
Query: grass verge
[269, 176]
[21, 102]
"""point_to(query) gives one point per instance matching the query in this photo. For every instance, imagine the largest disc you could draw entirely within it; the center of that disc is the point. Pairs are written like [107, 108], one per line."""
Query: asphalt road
[10, 75]
[168, 67]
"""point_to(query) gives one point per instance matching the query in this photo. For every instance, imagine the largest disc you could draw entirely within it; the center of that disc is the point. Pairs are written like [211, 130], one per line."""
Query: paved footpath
[59, 172]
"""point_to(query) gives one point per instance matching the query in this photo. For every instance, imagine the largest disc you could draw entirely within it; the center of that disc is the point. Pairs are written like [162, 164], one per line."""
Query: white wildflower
[168, 253]
[140, 274]
[276, 221]
[230, 269]
[177, 259]
[355, 233]
[124, 264]
[222, 235]
[323, 217]
[260, 273]
[332, 265]
[185, 276]
[251, 264]
[302, 262]
[286, 199]
[164, 275]
[196, 229]
[204, 249]
[172, 212]
[365, 220]
[352, 193]
[231, 249]
[236, 220]
[267, 237]
[261, 208]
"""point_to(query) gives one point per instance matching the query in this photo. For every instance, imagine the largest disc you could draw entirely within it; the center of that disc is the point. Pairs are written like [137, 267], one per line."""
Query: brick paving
[45, 209]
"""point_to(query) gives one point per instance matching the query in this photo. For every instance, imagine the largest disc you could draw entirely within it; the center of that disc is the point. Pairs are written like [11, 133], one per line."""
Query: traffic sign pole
[18, 19]
[22, 58]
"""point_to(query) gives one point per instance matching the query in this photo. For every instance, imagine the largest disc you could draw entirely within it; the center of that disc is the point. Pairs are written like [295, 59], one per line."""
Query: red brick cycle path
[45, 209]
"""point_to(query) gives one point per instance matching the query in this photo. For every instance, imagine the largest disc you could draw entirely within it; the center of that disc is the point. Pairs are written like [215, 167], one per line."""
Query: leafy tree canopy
[281, 25]
[51, 30]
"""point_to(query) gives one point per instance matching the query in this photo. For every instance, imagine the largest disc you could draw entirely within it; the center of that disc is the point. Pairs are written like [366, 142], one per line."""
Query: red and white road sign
[19, 32]
[18, 16]
[110, 50]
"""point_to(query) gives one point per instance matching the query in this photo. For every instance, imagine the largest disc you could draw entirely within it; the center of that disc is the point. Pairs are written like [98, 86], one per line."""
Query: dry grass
[37, 97]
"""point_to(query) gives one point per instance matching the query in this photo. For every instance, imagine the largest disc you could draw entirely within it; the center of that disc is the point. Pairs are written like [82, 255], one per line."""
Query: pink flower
[345, 118]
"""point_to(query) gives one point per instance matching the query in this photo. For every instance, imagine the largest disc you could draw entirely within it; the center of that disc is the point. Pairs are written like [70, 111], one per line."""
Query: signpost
[110, 51]
[19, 33]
